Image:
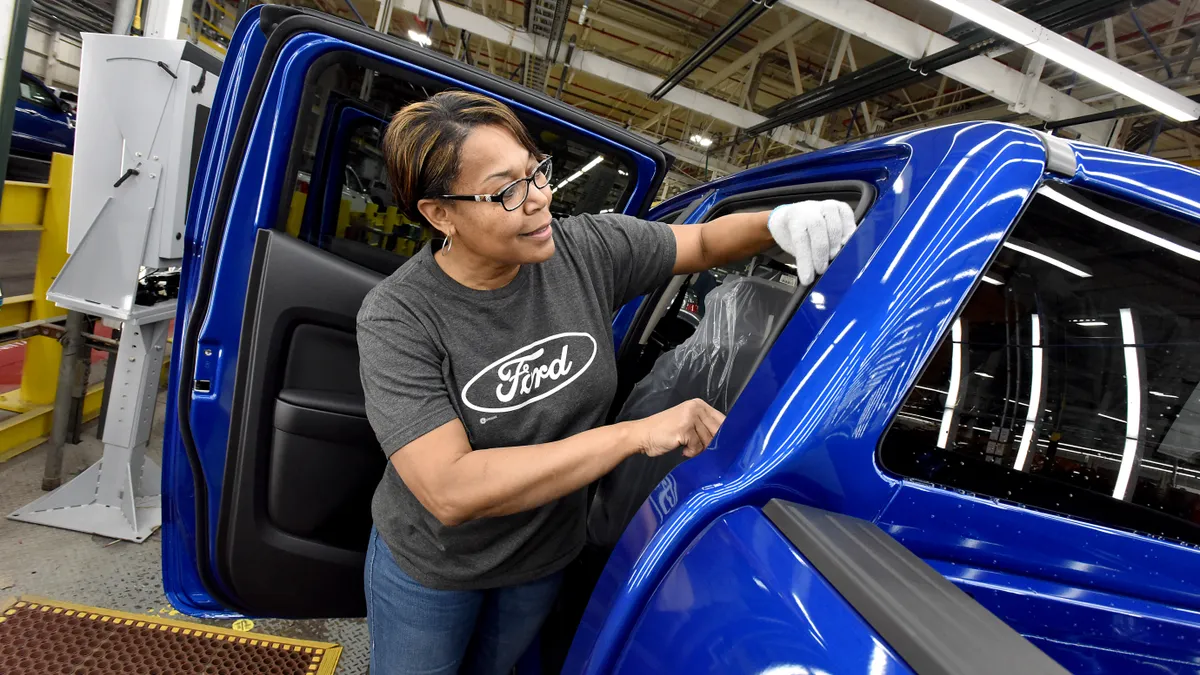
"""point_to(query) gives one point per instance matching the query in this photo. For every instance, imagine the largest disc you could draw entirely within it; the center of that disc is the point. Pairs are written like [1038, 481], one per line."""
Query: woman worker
[488, 368]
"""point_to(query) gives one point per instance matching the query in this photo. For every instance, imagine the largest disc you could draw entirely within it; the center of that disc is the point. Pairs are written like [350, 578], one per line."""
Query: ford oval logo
[530, 374]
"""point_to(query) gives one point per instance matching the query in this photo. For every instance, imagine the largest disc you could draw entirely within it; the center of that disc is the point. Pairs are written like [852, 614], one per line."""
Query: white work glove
[812, 232]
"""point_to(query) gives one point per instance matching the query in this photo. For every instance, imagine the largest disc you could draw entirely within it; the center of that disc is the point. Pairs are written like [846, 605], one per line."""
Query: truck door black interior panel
[303, 462]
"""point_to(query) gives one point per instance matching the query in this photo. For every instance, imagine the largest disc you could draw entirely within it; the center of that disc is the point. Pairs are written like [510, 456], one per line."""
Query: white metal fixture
[1093, 66]
[129, 187]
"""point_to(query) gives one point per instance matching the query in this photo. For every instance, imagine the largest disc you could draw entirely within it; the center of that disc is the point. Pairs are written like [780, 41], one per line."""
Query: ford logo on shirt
[530, 374]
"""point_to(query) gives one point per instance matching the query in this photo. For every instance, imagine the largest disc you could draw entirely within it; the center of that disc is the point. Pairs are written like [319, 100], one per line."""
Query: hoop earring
[447, 244]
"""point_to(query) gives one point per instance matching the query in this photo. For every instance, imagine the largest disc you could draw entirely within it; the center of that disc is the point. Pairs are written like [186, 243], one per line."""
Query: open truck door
[269, 462]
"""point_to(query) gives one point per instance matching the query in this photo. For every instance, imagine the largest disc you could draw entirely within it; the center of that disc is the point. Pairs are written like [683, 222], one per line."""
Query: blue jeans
[419, 630]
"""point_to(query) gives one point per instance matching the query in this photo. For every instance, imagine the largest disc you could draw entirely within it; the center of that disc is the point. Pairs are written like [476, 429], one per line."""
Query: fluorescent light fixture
[956, 358]
[1110, 417]
[984, 375]
[1090, 324]
[566, 180]
[1046, 257]
[622, 172]
[1104, 72]
[1133, 405]
[420, 38]
[1035, 394]
[1079, 206]
[1093, 66]
[992, 280]
[940, 391]
[992, 17]
[586, 167]
[702, 141]
[1162, 395]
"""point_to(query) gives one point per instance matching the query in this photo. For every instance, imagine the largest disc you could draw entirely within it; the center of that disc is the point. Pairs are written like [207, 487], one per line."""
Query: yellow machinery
[41, 208]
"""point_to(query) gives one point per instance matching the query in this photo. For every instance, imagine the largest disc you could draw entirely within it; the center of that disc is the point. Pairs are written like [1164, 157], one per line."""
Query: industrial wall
[52, 55]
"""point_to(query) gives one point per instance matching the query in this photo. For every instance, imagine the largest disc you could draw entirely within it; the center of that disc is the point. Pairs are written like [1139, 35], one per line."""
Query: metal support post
[123, 16]
[69, 376]
[164, 17]
[118, 496]
[79, 387]
[110, 367]
[12, 46]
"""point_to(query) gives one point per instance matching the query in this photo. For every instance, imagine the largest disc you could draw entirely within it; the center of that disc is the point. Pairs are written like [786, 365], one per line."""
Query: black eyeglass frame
[544, 168]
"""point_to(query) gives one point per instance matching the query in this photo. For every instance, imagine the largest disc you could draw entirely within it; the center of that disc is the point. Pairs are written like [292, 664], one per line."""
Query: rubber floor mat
[45, 637]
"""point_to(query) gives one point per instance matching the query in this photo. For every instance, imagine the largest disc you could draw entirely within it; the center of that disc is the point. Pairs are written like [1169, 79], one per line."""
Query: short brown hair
[423, 141]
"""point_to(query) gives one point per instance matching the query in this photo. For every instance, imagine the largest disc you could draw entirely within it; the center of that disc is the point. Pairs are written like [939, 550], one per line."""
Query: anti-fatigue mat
[44, 637]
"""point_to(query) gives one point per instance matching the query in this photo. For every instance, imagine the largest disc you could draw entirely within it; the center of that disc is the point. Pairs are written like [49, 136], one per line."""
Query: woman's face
[490, 159]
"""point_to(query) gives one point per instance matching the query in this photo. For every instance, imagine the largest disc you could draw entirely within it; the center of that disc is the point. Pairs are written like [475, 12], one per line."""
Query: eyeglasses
[513, 195]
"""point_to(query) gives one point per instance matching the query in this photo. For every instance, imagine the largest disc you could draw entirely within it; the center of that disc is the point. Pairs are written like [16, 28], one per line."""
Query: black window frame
[34, 86]
[351, 59]
[866, 194]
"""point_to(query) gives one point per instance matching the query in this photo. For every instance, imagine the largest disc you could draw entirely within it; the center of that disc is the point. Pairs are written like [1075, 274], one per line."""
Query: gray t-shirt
[528, 363]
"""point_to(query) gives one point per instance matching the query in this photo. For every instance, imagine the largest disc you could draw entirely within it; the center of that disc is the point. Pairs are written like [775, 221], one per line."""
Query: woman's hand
[691, 424]
[812, 232]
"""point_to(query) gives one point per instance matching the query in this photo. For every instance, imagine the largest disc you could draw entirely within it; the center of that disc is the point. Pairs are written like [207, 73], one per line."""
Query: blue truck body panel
[41, 125]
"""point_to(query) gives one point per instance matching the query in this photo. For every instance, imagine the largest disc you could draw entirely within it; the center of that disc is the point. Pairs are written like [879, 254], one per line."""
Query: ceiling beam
[696, 158]
[912, 40]
[765, 45]
[614, 71]
[649, 38]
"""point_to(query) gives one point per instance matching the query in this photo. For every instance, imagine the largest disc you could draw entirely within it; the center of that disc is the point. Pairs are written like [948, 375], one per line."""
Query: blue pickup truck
[973, 445]
[44, 124]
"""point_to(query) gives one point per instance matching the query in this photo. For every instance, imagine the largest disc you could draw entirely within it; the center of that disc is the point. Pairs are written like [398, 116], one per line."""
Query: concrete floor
[90, 570]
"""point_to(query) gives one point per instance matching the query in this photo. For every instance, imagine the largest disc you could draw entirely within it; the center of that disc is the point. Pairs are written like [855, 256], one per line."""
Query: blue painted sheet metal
[807, 426]
[180, 578]
[741, 599]
[1148, 181]
[1067, 614]
[946, 525]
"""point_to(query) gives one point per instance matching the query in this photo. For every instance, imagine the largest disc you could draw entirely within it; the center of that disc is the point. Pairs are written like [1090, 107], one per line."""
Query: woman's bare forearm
[502, 481]
[723, 240]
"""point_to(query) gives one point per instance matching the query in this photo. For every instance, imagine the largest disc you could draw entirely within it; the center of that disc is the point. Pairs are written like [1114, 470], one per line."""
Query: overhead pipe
[562, 11]
[1166, 64]
[1115, 113]
[562, 77]
[744, 17]
[354, 10]
[896, 72]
